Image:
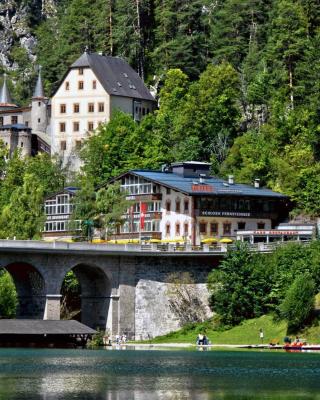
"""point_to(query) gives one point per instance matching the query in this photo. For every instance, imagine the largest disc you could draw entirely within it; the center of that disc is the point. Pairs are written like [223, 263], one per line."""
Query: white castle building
[92, 88]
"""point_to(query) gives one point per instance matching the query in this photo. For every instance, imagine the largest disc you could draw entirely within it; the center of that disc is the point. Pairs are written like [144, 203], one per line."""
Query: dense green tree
[235, 25]
[287, 42]
[298, 305]
[112, 150]
[23, 216]
[180, 36]
[8, 296]
[100, 209]
[111, 203]
[211, 112]
[133, 20]
[239, 287]
[24, 184]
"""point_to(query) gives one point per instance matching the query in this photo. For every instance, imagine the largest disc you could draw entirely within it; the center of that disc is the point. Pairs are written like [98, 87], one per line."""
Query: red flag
[143, 210]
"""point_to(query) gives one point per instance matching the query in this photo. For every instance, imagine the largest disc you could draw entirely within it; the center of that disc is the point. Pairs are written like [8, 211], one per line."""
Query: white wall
[173, 218]
[83, 98]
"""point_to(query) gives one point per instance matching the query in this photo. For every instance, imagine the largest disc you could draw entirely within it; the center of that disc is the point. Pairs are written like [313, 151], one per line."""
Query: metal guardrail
[32, 245]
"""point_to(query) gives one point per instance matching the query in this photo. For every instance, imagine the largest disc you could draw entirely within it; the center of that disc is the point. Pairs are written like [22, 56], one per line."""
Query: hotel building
[184, 201]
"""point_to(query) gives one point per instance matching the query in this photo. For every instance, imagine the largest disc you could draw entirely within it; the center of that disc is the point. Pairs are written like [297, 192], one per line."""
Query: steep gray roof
[41, 327]
[38, 90]
[5, 97]
[115, 75]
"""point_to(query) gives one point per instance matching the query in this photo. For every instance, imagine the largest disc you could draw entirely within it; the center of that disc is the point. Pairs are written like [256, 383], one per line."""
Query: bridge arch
[95, 294]
[31, 289]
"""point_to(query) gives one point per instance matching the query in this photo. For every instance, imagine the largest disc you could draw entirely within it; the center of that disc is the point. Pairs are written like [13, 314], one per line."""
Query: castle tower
[5, 98]
[39, 112]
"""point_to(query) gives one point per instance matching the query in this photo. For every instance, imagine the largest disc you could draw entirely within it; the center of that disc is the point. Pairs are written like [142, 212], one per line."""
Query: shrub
[8, 296]
[298, 304]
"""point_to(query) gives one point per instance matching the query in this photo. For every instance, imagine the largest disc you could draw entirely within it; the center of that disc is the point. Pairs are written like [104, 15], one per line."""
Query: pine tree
[180, 36]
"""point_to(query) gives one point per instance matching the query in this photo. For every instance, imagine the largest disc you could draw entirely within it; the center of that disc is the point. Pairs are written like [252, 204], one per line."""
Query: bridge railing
[25, 245]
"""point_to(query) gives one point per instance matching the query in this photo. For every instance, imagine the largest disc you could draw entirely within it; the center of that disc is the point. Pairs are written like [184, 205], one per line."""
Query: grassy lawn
[246, 333]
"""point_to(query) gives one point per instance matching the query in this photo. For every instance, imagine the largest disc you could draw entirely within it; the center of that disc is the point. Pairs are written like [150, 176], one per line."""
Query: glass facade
[58, 212]
[134, 185]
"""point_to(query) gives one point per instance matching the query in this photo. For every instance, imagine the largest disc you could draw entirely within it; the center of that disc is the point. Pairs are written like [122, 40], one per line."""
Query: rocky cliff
[18, 19]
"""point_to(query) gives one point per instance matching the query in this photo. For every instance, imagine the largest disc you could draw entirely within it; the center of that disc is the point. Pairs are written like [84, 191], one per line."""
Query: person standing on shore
[261, 334]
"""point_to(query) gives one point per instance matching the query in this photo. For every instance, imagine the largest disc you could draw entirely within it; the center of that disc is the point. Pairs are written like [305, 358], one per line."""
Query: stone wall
[156, 311]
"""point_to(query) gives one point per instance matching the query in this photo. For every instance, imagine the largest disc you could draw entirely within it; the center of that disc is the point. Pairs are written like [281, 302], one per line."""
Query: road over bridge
[129, 289]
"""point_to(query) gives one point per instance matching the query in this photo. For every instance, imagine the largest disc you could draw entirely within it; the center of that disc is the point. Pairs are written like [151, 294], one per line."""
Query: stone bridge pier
[124, 293]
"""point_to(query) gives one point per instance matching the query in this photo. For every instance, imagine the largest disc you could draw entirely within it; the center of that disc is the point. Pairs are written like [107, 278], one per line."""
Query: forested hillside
[238, 82]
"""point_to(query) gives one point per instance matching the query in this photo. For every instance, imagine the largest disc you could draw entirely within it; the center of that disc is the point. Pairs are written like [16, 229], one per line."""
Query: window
[1, 121]
[227, 228]
[168, 190]
[63, 108]
[14, 120]
[78, 144]
[241, 226]
[94, 84]
[177, 229]
[214, 228]
[178, 206]
[39, 103]
[168, 229]
[62, 126]
[186, 206]
[76, 127]
[80, 85]
[26, 124]
[261, 225]
[76, 107]
[63, 145]
[80, 71]
[91, 107]
[90, 126]
[186, 229]
[21, 144]
[101, 107]
[168, 206]
[67, 85]
[39, 120]
[203, 228]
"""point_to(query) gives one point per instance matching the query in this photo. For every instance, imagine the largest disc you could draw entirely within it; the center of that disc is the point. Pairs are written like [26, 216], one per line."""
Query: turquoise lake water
[149, 375]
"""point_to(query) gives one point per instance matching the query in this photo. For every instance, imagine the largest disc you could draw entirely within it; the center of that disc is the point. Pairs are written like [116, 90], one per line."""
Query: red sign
[202, 188]
[143, 210]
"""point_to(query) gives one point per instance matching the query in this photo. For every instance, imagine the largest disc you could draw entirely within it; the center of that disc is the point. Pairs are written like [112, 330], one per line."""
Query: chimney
[230, 179]
[201, 178]
[257, 183]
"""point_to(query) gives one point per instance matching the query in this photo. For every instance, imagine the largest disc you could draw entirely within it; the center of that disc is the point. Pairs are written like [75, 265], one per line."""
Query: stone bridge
[124, 289]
